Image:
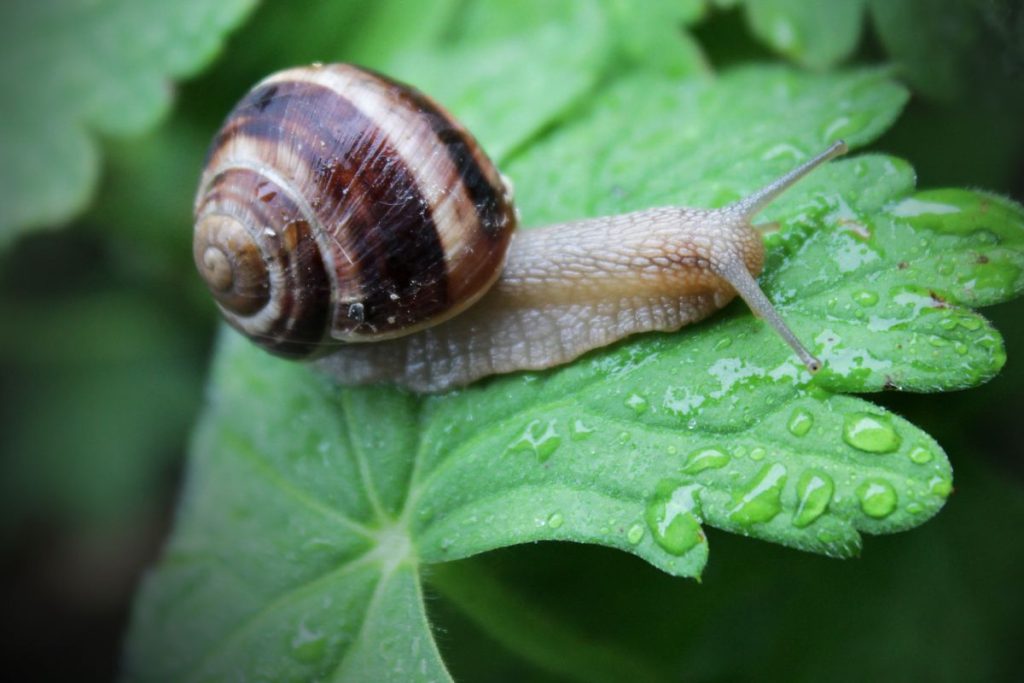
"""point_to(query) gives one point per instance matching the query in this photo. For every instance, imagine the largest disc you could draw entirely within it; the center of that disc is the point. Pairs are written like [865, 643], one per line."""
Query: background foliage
[107, 331]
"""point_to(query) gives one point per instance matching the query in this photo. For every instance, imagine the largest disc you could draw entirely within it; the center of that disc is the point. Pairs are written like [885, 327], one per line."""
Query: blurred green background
[106, 335]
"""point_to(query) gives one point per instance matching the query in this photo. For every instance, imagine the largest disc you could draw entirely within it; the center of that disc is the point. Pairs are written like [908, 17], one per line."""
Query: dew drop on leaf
[635, 534]
[913, 207]
[673, 516]
[915, 508]
[555, 520]
[940, 485]
[540, 437]
[969, 322]
[307, 646]
[921, 455]
[826, 536]
[814, 492]
[762, 501]
[877, 498]
[800, 422]
[706, 459]
[757, 453]
[638, 403]
[580, 431]
[865, 297]
[870, 433]
[833, 129]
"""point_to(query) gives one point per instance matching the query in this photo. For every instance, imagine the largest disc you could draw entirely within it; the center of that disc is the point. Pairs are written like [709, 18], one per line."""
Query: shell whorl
[338, 205]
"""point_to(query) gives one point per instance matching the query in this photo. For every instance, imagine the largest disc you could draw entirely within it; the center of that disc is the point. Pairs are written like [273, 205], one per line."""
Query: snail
[347, 218]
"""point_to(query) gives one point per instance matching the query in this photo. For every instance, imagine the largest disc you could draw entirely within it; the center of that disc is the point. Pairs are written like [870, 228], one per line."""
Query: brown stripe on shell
[363, 194]
[475, 199]
[293, 320]
[478, 175]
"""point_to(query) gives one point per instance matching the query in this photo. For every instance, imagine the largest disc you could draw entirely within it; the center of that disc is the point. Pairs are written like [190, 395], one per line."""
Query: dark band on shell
[338, 205]
[278, 291]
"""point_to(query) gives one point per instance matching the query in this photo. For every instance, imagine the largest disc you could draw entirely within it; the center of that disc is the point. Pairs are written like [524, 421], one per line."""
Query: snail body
[347, 218]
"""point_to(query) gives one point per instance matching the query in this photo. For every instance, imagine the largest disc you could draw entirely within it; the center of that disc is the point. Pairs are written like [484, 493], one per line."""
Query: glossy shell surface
[340, 206]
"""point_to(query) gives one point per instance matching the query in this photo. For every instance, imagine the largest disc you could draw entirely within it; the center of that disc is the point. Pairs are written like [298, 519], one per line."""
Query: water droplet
[915, 508]
[969, 322]
[960, 348]
[555, 520]
[912, 207]
[937, 341]
[757, 453]
[673, 516]
[723, 343]
[870, 433]
[940, 485]
[800, 422]
[921, 455]
[826, 536]
[877, 498]
[705, 459]
[814, 492]
[308, 646]
[948, 323]
[635, 534]
[761, 502]
[539, 437]
[638, 403]
[580, 431]
[865, 297]
[841, 127]
[624, 437]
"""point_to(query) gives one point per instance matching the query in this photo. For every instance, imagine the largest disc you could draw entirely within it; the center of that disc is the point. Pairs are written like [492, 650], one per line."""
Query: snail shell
[338, 206]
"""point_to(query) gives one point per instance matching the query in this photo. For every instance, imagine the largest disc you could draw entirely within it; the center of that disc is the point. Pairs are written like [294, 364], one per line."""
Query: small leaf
[910, 30]
[72, 70]
[490, 96]
[815, 34]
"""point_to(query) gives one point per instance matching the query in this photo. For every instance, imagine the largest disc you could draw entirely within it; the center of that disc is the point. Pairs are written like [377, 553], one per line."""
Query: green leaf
[489, 94]
[73, 70]
[650, 140]
[910, 30]
[814, 34]
[311, 508]
[894, 614]
[944, 48]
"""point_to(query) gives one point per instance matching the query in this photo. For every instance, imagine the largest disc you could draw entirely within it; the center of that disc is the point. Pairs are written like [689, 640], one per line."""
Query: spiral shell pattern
[337, 205]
